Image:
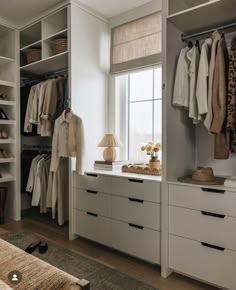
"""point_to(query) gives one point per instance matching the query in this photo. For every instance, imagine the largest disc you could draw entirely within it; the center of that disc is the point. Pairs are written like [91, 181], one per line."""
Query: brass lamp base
[109, 154]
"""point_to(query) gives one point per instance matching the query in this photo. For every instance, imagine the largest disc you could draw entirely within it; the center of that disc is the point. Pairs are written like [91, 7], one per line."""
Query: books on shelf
[108, 165]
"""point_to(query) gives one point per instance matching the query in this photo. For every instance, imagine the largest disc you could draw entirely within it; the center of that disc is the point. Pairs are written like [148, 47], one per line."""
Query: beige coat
[27, 124]
[67, 140]
[219, 95]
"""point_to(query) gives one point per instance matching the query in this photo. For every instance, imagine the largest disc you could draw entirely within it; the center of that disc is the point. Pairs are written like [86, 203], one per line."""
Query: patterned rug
[100, 276]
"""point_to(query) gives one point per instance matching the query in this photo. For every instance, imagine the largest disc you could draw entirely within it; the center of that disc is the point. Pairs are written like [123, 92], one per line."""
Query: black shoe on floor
[31, 248]
[43, 247]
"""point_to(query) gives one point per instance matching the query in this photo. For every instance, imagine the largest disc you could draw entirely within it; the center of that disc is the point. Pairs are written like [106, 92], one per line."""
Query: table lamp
[110, 141]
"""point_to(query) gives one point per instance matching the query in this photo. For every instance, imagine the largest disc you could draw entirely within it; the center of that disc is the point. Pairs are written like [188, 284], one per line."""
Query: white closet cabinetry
[198, 223]
[9, 167]
[120, 212]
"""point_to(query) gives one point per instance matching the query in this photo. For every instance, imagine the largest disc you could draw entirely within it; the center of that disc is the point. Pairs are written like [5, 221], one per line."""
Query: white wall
[89, 78]
[146, 9]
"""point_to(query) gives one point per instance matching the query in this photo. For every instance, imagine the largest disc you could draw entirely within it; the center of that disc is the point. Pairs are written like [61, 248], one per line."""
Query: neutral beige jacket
[67, 140]
[27, 124]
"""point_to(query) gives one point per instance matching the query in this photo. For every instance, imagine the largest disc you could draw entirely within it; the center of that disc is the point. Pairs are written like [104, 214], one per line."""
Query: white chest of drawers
[122, 212]
[202, 233]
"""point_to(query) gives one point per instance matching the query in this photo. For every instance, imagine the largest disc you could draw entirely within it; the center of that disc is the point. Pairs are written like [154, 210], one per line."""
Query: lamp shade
[110, 140]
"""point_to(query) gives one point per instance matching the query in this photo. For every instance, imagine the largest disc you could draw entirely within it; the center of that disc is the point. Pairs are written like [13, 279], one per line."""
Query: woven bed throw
[36, 274]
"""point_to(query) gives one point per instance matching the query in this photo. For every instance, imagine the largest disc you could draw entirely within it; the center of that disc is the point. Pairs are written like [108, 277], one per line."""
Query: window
[140, 99]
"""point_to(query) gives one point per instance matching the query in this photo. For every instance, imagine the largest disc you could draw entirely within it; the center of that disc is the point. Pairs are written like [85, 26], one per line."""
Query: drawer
[143, 243]
[202, 262]
[203, 226]
[89, 200]
[136, 211]
[206, 199]
[95, 228]
[136, 188]
[93, 182]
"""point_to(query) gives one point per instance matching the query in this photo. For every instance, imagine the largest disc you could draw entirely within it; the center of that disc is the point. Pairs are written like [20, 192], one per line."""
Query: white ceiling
[20, 12]
[110, 8]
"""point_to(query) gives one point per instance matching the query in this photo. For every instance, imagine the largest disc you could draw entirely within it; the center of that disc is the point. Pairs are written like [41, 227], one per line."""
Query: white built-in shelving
[40, 35]
[208, 14]
[9, 86]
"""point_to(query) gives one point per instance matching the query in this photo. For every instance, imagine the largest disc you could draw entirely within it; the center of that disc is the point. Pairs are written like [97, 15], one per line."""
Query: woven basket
[33, 54]
[58, 45]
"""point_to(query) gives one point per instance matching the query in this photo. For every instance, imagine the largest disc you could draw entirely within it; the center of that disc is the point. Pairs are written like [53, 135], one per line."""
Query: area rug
[100, 276]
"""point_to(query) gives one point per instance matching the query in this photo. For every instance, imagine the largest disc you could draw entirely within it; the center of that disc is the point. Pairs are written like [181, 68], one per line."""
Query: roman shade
[136, 44]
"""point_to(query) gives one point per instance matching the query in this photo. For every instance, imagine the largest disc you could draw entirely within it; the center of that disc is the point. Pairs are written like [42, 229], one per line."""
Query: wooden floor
[140, 270]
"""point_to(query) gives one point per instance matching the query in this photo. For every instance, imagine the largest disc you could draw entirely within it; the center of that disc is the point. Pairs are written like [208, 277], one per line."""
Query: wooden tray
[140, 169]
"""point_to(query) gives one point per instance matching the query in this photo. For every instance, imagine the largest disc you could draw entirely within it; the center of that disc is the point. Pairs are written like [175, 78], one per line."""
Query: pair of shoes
[4, 154]
[3, 96]
[3, 115]
[3, 134]
[41, 245]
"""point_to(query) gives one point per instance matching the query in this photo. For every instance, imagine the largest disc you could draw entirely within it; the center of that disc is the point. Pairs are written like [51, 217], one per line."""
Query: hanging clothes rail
[33, 78]
[186, 37]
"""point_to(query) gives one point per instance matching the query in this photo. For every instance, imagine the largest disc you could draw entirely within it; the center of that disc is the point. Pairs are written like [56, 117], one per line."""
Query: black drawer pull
[220, 216]
[212, 247]
[135, 200]
[136, 180]
[91, 174]
[136, 226]
[92, 191]
[91, 213]
[213, 190]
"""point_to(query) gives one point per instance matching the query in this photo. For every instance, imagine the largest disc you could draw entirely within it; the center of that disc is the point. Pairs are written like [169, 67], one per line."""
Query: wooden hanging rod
[186, 37]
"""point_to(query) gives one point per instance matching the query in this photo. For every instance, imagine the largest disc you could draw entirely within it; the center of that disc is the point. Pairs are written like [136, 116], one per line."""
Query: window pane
[141, 85]
[140, 128]
[157, 83]
[157, 120]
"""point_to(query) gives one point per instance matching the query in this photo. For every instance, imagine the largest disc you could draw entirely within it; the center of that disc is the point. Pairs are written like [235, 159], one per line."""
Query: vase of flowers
[152, 150]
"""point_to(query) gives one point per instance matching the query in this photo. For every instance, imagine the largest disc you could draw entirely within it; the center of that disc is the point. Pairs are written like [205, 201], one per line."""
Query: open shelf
[7, 84]
[30, 35]
[50, 64]
[208, 15]
[7, 179]
[60, 34]
[36, 44]
[54, 24]
[7, 122]
[7, 160]
[7, 103]
[7, 141]
[5, 60]
[175, 6]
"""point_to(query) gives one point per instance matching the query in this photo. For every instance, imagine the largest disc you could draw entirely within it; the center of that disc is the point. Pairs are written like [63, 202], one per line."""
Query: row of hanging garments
[45, 103]
[205, 85]
[37, 183]
[48, 175]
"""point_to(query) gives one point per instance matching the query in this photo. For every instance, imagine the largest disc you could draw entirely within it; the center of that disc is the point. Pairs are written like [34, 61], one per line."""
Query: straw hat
[202, 176]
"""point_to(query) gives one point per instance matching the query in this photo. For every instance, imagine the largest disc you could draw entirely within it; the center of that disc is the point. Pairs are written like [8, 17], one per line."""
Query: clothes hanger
[190, 44]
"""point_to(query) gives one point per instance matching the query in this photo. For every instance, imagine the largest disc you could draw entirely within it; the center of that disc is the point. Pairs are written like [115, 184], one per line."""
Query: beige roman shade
[136, 44]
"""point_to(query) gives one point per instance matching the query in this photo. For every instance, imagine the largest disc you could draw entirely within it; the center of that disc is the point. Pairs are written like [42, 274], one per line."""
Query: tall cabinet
[198, 222]
[9, 102]
[86, 61]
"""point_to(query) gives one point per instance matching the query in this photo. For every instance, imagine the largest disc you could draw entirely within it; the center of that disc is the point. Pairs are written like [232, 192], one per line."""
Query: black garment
[24, 96]
[26, 159]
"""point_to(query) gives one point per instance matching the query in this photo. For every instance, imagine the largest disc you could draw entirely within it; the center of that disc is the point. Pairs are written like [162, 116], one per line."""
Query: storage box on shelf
[54, 26]
[120, 212]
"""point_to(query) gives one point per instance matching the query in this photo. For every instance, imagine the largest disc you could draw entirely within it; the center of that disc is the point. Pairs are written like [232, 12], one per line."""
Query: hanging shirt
[202, 79]
[67, 140]
[193, 57]
[208, 120]
[181, 87]
[28, 125]
[31, 178]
